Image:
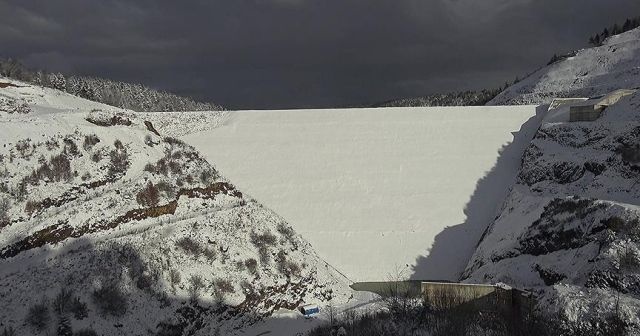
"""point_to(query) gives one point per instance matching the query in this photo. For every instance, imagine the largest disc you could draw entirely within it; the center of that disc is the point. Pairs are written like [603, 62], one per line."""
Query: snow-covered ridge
[591, 72]
[143, 231]
[177, 124]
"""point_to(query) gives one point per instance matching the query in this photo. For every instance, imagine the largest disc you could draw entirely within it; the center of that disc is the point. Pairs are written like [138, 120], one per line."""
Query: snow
[87, 254]
[287, 322]
[592, 72]
[46, 100]
[177, 124]
[579, 251]
[374, 190]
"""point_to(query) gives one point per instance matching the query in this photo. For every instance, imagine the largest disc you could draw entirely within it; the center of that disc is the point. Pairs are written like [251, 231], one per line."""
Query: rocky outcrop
[571, 224]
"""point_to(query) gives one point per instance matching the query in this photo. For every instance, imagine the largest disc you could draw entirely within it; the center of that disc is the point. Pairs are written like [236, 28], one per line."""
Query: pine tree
[41, 78]
[58, 81]
[615, 30]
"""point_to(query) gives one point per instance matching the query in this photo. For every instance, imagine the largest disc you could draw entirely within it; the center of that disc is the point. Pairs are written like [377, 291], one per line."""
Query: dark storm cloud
[299, 53]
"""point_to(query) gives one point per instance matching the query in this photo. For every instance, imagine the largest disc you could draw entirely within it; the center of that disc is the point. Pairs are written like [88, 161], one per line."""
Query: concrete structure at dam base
[440, 296]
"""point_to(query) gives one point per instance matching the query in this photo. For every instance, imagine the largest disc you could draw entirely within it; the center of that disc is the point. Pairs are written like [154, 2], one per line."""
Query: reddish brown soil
[5, 85]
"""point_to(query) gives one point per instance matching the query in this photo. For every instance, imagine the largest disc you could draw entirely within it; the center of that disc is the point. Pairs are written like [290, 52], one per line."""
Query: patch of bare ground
[6, 85]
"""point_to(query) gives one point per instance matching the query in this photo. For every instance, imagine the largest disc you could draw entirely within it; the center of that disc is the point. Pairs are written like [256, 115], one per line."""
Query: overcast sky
[302, 53]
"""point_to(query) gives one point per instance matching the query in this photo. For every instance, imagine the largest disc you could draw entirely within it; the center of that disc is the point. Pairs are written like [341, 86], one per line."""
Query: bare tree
[149, 196]
[196, 283]
[331, 314]
[401, 295]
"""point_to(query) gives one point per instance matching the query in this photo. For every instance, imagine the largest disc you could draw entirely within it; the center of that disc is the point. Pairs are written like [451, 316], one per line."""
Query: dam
[378, 191]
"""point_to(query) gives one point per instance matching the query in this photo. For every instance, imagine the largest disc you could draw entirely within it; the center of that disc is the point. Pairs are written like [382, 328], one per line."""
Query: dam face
[378, 192]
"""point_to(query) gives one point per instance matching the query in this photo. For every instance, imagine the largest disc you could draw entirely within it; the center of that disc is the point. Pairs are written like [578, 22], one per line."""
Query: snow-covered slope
[139, 228]
[177, 124]
[570, 227]
[378, 191]
[591, 72]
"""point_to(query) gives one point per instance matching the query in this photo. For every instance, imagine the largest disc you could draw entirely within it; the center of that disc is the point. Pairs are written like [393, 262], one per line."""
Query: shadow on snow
[454, 246]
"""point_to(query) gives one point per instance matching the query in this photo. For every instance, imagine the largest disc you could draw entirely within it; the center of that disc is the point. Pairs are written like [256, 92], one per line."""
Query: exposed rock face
[570, 227]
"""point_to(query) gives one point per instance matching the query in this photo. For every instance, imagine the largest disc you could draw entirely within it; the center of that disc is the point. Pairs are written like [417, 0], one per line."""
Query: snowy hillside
[570, 228]
[591, 72]
[378, 191]
[464, 98]
[106, 224]
[131, 96]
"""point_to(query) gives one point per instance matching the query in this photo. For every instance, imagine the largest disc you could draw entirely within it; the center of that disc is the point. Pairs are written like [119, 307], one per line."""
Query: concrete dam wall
[378, 191]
